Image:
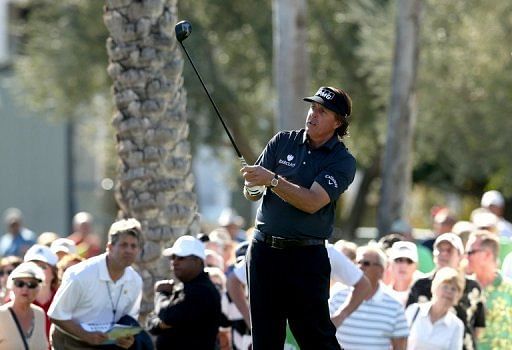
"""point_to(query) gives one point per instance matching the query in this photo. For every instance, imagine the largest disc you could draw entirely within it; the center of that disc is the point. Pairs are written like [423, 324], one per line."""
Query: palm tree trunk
[155, 182]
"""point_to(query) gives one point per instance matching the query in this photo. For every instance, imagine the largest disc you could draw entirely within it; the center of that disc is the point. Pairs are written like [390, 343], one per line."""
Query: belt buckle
[277, 242]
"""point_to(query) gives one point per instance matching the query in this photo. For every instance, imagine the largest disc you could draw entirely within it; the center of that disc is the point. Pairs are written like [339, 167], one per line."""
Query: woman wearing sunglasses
[22, 324]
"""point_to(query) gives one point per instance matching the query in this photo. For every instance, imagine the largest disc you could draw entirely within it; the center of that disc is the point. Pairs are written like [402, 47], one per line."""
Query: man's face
[14, 227]
[321, 122]
[446, 255]
[125, 250]
[186, 268]
[370, 265]
[477, 256]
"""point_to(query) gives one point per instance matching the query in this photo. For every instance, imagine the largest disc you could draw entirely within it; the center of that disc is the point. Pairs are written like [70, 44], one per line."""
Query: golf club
[183, 29]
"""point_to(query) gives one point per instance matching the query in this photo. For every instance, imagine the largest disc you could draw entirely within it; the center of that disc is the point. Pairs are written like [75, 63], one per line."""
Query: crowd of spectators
[450, 291]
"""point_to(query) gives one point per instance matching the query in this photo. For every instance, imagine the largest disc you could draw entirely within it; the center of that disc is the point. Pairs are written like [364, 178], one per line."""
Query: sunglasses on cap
[21, 284]
[5, 272]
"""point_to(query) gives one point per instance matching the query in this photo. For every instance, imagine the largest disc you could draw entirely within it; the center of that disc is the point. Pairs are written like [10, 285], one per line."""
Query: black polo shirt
[193, 311]
[290, 155]
[470, 309]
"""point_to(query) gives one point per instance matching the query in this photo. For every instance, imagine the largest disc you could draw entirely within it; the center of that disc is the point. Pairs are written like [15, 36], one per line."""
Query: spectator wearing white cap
[495, 203]
[403, 257]
[18, 239]
[187, 315]
[22, 324]
[43, 257]
[448, 252]
[62, 247]
[425, 260]
[99, 292]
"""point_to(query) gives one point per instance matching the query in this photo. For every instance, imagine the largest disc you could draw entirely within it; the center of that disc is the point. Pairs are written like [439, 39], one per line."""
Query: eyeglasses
[404, 260]
[21, 284]
[5, 273]
[367, 263]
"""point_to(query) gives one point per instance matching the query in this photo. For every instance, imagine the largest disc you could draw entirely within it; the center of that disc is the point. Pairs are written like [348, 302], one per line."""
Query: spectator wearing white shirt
[99, 291]
[403, 260]
[433, 326]
[379, 321]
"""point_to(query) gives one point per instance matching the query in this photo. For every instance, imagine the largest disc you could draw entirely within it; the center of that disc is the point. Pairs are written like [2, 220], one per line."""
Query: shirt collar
[379, 294]
[330, 144]
[425, 308]
[105, 275]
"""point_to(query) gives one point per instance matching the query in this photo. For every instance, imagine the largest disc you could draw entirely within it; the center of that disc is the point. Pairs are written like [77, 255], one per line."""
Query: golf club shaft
[239, 154]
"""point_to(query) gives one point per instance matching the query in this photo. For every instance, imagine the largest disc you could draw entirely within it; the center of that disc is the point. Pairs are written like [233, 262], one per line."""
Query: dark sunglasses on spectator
[367, 263]
[21, 284]
[405, 260]
[2, 272]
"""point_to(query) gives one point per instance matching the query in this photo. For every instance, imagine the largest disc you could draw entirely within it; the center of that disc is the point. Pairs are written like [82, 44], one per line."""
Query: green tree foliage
[62, 62]
[464, 88]
[464, 81]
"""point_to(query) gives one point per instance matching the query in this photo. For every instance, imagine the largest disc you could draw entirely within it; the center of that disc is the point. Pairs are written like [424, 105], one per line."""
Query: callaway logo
[328, 95]
[331, 181]
[288, 160]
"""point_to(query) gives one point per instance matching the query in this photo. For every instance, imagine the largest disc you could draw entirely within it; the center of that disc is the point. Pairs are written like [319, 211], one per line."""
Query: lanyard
[114, 307]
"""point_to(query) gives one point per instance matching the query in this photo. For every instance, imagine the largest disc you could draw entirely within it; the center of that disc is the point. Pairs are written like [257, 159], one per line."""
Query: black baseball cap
[332, 99]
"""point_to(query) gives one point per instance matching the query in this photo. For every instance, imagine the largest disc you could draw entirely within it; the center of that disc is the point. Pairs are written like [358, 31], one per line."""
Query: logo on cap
[289, 157]
[328, 95]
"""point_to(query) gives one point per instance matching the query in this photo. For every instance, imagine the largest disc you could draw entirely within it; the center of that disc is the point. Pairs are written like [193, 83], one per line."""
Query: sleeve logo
[331, 180]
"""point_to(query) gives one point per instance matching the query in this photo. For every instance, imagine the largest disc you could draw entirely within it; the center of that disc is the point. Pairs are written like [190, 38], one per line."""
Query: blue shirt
[290, 155]
[17, 245]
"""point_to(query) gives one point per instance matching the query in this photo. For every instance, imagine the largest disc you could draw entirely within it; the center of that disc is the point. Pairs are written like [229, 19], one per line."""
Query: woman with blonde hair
[433, 326]
[23, 324]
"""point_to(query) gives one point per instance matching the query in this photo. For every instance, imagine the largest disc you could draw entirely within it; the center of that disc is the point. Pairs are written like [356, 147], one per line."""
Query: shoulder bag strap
[19, 329]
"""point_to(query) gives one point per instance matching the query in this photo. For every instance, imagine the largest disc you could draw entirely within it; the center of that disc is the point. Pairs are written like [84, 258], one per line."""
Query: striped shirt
[373, 324]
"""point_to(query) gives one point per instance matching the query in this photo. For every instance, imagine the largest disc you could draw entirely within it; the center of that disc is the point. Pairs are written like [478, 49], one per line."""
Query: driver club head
[183, 29]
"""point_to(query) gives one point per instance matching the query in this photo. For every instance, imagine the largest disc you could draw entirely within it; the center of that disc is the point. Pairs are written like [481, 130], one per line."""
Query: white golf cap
[492, 198]
[483, 218]
[26, 270]
[39, 252]
[463, 226]
[186, 246]
[63, 245]
[451, 238]
[404, 249]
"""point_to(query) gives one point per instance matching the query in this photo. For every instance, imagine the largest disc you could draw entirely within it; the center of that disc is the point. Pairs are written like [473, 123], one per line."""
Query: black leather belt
[282, 243]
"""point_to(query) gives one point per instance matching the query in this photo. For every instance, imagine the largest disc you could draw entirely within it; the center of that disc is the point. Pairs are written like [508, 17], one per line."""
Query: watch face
[274, 182]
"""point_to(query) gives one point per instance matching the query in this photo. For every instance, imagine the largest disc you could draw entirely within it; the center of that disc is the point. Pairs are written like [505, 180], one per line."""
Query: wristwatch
[274, 181]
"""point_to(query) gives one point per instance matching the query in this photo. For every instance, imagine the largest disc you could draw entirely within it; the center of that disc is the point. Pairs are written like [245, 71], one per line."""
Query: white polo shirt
[445, 334]
[89, 296]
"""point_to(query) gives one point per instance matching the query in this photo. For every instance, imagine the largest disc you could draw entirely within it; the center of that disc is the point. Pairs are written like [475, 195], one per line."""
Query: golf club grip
[254, 190]
[238, 153]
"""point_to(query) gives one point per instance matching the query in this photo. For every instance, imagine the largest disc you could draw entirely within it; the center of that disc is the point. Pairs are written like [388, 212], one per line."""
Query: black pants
[290, 284]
